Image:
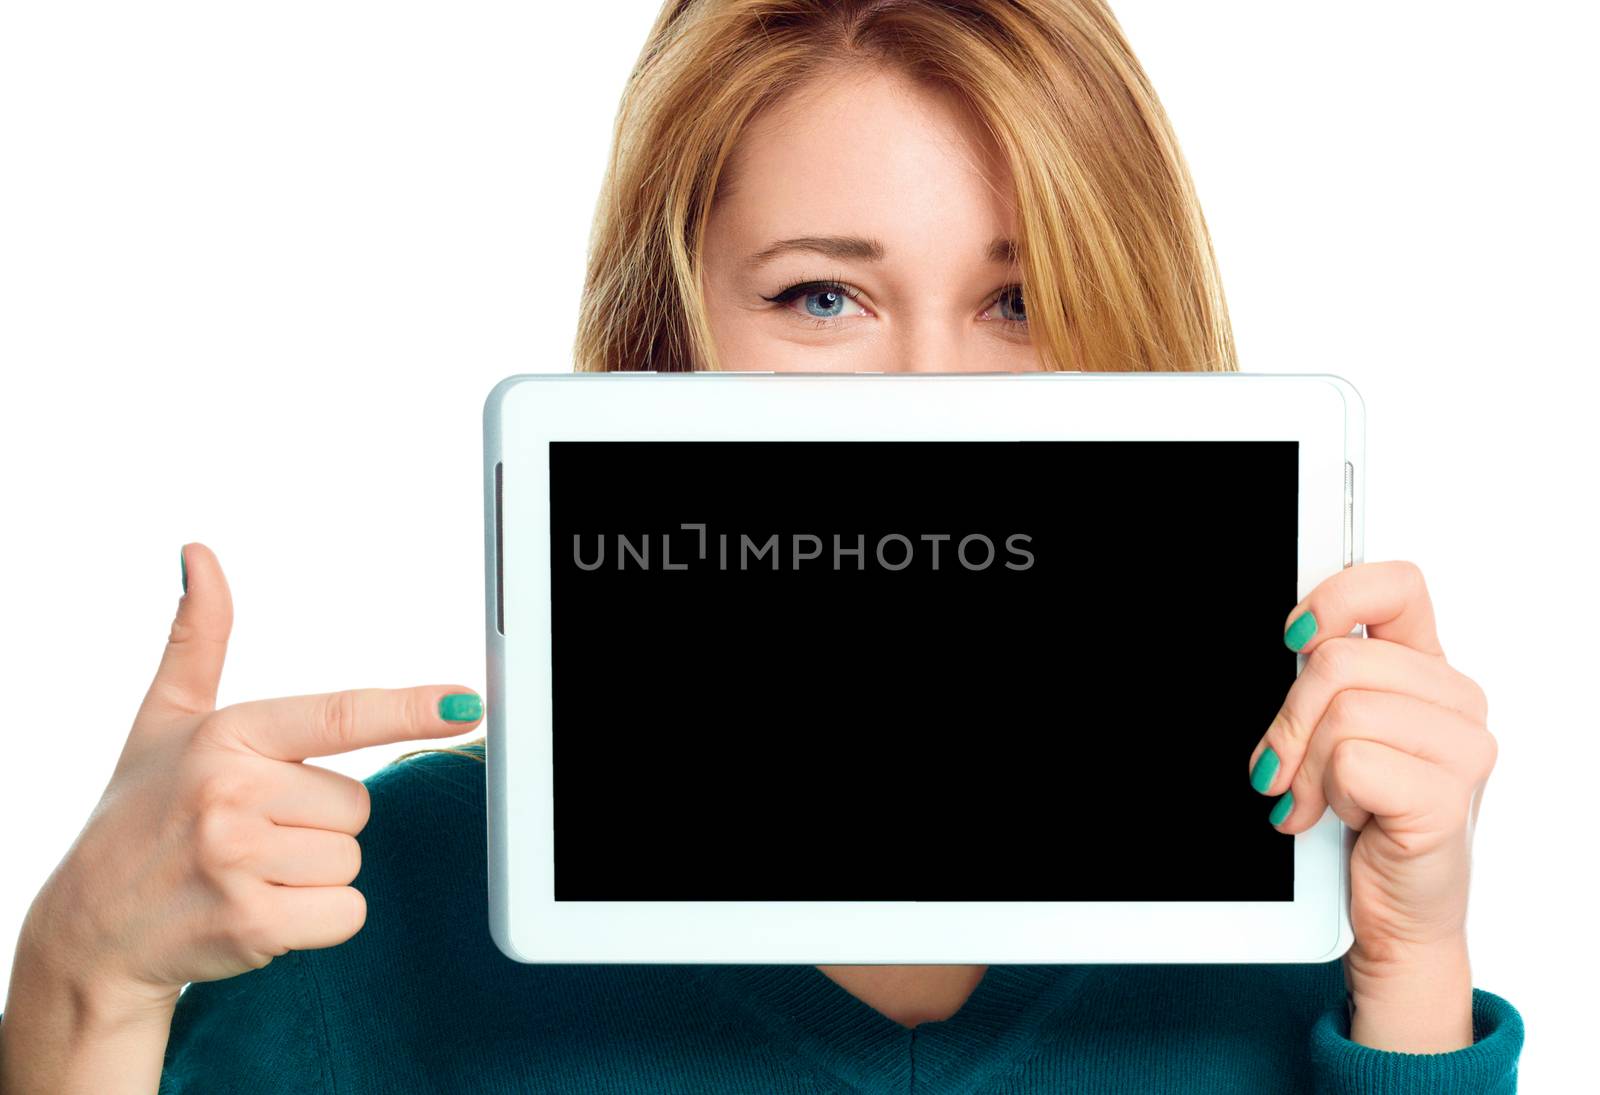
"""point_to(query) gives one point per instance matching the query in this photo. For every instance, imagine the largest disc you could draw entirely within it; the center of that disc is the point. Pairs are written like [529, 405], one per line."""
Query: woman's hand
[1393, 738]
[212, 851]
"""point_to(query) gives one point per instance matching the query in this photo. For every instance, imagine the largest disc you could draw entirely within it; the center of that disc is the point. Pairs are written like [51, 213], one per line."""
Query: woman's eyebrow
[1000, 250]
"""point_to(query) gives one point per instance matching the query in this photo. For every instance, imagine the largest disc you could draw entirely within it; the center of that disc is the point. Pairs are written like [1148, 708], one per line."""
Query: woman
[795, 184]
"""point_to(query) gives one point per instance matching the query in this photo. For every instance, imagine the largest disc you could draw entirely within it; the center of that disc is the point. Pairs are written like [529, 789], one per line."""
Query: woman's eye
[822, 301]
[829, 304]
[1011, 306]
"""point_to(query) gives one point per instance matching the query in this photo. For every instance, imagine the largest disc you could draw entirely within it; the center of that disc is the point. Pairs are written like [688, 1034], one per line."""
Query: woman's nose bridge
[925, 345]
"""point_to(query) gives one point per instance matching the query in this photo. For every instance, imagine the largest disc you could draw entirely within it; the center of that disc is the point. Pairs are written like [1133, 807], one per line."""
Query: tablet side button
[499, 554]
[1349, 512]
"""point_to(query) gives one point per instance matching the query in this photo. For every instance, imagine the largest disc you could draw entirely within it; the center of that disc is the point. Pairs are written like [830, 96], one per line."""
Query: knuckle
[182, 631]
[238, 917]
[1480, 700]
[1288, 728]
[178, 699]
[247, 927]
[223, 724]
[1337, 601]
[358, 910]
[1348, 708]
[351, 867]
[222, 841]
[222, 789]
[1490, 754]
[254, 933]
[362, 811]
[1335, 660]
[1411, 579]
[411, 709]
[349, 915]
[1345, 761]
[339, 717]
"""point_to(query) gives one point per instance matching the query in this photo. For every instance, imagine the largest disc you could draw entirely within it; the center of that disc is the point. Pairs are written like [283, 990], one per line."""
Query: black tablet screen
[940, 671]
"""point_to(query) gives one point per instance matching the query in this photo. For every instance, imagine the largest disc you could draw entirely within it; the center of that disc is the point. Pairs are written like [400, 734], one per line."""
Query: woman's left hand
[1393, 738]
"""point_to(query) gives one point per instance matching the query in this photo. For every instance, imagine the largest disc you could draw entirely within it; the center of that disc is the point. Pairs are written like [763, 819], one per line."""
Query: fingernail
[460, 707]
[1300, 632]
[184, 565]
[1281, 810]
[1266, 767]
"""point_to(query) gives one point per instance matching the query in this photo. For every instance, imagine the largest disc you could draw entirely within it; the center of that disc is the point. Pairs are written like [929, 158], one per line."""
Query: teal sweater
[420, 1000]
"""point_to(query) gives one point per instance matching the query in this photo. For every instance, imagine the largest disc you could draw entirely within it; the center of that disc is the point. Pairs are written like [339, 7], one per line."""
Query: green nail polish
[1281, 810]
[1266, 767]
[184, 565]
[460, 707]
[1300, 632]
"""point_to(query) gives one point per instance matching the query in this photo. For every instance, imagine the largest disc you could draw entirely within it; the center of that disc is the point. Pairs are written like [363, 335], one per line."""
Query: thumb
[191, 666]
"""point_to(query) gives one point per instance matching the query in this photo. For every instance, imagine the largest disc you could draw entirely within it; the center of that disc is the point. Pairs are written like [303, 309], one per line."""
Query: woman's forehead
[875, 153]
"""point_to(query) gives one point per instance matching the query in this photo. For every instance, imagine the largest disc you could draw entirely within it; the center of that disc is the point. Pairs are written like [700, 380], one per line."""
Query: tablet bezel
[524, 413]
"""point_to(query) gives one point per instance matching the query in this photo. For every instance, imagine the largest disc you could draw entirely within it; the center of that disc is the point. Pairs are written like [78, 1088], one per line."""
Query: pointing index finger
[296, 727]
[1390, 598]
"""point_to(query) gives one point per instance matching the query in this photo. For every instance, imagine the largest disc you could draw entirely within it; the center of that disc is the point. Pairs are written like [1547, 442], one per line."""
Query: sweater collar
[802, 1007]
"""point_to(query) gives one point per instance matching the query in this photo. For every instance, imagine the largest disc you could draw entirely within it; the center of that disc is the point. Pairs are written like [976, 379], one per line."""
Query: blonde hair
[1118, 268]
[1119, 274]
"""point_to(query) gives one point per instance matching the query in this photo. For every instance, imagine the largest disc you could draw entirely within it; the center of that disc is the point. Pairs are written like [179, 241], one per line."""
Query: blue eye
[1010, 302]
[828, 303]
[822, 300]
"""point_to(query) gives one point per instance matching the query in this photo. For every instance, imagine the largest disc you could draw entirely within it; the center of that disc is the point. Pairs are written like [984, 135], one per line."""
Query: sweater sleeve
[260, 1033]
[1487, 1067]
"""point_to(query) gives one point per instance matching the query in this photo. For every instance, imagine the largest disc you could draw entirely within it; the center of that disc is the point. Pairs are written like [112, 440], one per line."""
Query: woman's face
[867, 229]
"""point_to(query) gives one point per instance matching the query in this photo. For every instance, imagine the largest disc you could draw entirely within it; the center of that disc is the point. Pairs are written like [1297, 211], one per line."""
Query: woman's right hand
[212, 850]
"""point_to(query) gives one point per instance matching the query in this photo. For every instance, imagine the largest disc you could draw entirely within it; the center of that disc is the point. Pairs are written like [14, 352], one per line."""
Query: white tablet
[911, 668]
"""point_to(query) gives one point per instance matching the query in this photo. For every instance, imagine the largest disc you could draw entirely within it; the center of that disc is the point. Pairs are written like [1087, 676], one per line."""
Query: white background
[259, 265]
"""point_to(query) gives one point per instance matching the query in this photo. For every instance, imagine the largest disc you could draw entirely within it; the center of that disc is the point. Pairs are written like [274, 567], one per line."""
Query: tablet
[907, 668]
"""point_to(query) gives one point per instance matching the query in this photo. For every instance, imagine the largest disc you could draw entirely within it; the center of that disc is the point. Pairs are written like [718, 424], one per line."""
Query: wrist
[65, 979]
[66, 1031]
[1414, 999]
